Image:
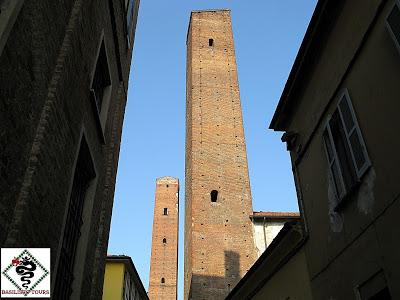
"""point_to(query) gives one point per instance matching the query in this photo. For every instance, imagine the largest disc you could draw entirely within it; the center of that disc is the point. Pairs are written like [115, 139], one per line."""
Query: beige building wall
[280, 272]
[291, 281]
[349, 245]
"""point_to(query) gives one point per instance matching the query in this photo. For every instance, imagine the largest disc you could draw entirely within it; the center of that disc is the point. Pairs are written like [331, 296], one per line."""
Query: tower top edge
[167, 179]
[210, 10]
[203, 11]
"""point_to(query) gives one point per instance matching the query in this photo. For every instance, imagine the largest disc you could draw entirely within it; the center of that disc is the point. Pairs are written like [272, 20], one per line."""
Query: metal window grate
[84, 173]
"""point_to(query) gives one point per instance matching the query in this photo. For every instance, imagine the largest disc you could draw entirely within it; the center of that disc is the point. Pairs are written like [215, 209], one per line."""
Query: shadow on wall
[215, 287]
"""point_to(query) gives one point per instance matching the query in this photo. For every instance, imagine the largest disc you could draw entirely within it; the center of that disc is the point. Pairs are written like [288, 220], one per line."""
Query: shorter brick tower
[164, 250]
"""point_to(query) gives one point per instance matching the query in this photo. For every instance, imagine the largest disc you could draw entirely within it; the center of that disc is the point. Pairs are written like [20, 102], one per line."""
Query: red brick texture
[164, 250]
[219, 245]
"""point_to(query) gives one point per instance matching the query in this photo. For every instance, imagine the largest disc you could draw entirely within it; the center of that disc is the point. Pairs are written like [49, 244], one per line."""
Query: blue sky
[267, 37]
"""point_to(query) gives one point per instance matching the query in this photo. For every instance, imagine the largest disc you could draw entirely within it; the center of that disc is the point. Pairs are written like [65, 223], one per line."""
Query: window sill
[353, 191]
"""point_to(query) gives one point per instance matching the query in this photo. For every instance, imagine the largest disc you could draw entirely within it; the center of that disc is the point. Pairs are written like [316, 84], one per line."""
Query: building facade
[64, 69]
[345, 152]
[219, 246]
[267, 225]
[164, 250]
[281, 271]
[121, 280]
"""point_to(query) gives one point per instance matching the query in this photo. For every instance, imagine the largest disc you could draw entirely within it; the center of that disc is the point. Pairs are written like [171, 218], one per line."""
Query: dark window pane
[382, 295]
[336, 180]
[394, 22]
[214, 195]
[328, 146]
[101, 77]
[343, 151]
[129, 16]
[357, 149]
[347, 117]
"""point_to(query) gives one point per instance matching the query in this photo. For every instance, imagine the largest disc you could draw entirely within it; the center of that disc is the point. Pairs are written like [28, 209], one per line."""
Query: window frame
[165, 211]
[359, 172]
[101, 113]
[133, 11]
[389, 28]
[85, 215]
[8, 17]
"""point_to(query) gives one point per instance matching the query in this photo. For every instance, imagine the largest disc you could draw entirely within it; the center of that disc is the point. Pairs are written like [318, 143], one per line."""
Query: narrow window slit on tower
[210, 42]
[165, 211]
[164, 240]
[163, 280]
[214, 195]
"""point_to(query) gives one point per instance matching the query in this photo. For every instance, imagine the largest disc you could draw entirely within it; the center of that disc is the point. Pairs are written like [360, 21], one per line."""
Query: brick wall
[164, 253]
[45, 73]
[219, 245]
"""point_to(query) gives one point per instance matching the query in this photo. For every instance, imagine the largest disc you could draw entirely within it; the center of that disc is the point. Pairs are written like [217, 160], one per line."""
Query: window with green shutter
[345, 148]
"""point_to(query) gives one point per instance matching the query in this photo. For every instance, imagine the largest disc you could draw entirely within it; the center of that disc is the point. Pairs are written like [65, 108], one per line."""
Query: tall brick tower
[219, 245]
[164, 250]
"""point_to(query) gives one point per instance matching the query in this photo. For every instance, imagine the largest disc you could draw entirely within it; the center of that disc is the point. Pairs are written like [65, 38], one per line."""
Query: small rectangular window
[129, 20]
[393, 23]
[345, 149]
[210, 42]
[101, 78]
[165, 211]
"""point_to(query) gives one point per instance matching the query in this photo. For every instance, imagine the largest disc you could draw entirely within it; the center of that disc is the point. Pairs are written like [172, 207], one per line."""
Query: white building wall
[265, 232]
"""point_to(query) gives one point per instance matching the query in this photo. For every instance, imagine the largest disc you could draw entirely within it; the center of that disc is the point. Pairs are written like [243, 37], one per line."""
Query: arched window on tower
[164, 241]
[214, 195]
[163, 280]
